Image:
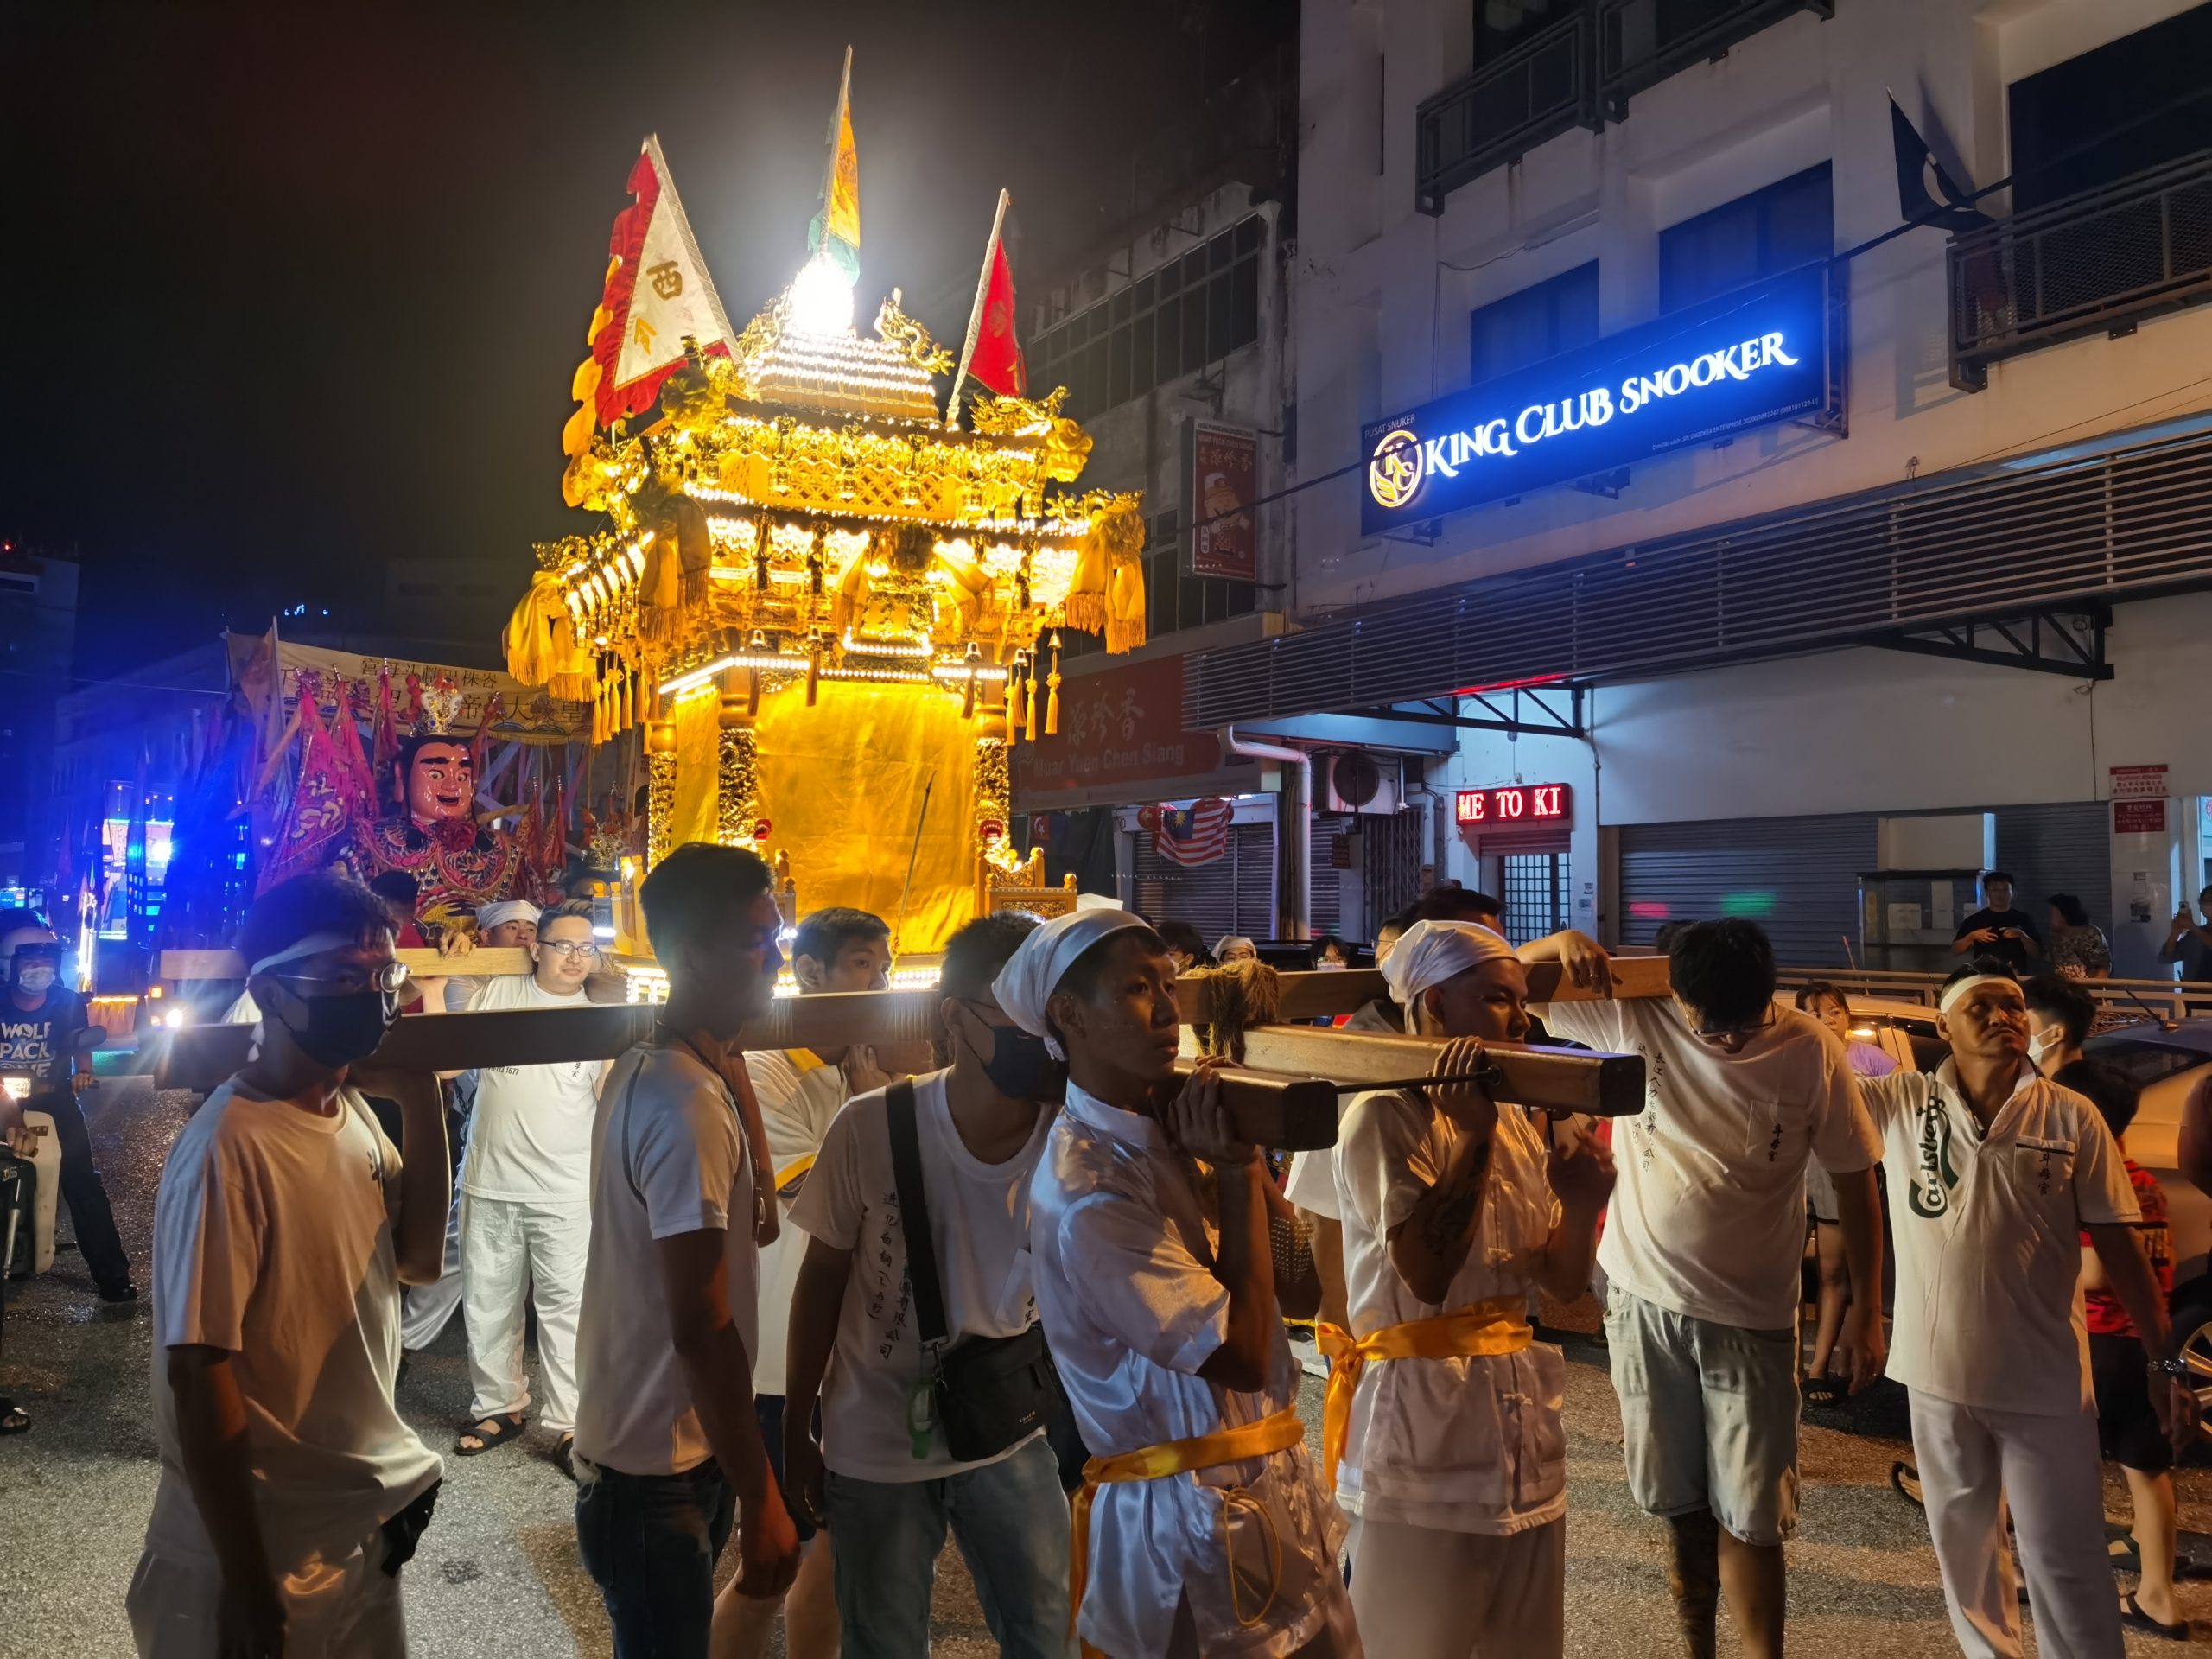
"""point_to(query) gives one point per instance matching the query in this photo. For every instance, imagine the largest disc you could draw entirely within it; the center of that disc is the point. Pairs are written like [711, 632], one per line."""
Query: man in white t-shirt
[1994, 1174]
[1445, 1410]
[1703, 1248]
[506, 925]
[892, 1486]
[834, 949]
[1202, 1527]
[291, 1493]
[526, 1201]
[668, 1450]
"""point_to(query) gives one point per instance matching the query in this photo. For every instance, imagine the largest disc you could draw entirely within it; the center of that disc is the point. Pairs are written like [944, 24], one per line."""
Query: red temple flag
[657, 293]
[318, 814]
[993, 355]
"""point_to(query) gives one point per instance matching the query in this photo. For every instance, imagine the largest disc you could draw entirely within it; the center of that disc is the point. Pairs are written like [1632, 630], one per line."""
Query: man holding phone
[1997, 930]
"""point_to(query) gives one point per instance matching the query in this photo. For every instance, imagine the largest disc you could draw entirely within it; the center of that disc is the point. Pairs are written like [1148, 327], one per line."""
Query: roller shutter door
[1797, 878]
[1328, 891]
[2062, 848]
[1235, 893]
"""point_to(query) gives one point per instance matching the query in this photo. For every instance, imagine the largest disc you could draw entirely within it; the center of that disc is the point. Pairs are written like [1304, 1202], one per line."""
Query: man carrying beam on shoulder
[1703, 1250]
[1444, 1411]
[1162, 1285]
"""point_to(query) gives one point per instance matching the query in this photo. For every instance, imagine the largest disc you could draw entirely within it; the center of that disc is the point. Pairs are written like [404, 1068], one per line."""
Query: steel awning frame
[2004, 545]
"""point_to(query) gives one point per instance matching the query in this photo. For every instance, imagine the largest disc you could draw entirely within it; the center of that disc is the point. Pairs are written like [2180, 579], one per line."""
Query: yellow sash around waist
[1499, 1325]
[1256, 1440]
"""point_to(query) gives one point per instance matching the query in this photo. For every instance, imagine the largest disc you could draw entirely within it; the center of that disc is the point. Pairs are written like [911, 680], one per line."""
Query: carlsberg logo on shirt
[1932, 1182]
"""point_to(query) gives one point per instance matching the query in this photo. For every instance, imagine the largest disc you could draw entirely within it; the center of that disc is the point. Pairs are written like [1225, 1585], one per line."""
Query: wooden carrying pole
[1554, 1079]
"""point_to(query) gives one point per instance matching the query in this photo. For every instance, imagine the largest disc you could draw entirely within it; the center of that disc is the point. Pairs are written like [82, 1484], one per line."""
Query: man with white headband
[1703, 1250]
[291, 1491]
[1201, 1527]
[1444, 1411]
[504, 925]
[1994, 1174]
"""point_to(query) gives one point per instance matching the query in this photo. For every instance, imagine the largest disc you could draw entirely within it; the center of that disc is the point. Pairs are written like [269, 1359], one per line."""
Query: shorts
[1708, 1415]
[769, 1408]
[2127, 1424]
[1819, 1195]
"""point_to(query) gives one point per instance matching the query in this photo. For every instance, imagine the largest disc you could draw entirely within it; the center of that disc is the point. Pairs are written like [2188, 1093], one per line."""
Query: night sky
[291, 289]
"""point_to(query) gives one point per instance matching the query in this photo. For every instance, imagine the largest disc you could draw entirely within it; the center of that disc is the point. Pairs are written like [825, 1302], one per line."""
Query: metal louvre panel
[1389, 852]
[2135, 521]
[2065, 847]
[1797, 878]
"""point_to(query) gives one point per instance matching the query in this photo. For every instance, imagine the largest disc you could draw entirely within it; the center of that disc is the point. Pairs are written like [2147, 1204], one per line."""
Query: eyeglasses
[387, 979]
[1735, 1033]
[568, 951]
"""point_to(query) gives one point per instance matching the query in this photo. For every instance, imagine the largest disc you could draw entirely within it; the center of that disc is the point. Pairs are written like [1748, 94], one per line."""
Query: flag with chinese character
[315, 822]
[836, 228]
[994, 357]
[1196, 834]
[657, 293]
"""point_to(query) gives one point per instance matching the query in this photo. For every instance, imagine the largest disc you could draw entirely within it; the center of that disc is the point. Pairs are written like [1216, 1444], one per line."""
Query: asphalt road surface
[498, 1573]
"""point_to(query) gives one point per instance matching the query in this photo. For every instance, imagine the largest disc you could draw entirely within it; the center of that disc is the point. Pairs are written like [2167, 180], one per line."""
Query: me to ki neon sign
[1759, 355]
[1511, 804]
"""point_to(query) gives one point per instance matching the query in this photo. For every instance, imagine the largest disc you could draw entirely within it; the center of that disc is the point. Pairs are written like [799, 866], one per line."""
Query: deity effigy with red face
[459, 866]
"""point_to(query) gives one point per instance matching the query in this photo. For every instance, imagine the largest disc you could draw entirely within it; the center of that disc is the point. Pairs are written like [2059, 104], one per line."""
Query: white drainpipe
[1302, 919]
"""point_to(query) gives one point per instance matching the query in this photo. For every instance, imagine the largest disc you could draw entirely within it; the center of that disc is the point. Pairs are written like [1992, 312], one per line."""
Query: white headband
[314, 945]
[1428, 953]
[1958, 988]
[1221, 945]
[502, 911]
[1033, 972]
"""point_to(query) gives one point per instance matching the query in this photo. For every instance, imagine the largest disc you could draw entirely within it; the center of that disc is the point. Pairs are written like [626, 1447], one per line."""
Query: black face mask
[1021, 1068]
[341, 1029]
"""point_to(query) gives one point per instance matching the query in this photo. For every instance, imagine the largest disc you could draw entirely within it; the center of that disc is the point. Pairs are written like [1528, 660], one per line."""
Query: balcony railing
[1641, 43]
[1578, 73]
[1538, 89]
[2097, 263]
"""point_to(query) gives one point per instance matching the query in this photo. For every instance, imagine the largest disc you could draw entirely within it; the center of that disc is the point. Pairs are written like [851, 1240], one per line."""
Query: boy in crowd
[1702, 1254]
[1445, 1411]
[526, 1205]
[668, 1451]
[44, 1030]
[800, 1091]
[2128, 1431]
[884, 1480]
[1829, 1005]
[291, 1493]
[1995, 1175]
[2060, 1015]
[1997, 930]
[1163, 1289]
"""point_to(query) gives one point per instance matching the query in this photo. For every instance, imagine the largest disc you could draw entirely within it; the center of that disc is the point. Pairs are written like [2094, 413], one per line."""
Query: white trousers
[1424, 1594]
[425, 1309]
[1972, 1463]
[348, 1609]
[509, 1251]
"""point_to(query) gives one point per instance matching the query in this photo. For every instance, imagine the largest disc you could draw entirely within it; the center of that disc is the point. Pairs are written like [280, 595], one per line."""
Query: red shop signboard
[1511, 805]
[1118, 725]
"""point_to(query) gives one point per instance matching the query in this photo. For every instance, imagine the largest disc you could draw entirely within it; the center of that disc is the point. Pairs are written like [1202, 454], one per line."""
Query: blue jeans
[1010, 1519]
[650, 1542]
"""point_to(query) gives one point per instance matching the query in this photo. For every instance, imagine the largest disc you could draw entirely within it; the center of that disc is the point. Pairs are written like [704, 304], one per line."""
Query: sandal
[2132, 1616]
[565, 1455]
[489, 1432]
[1823, 1391]
[1906, 1479]
[14, 1420]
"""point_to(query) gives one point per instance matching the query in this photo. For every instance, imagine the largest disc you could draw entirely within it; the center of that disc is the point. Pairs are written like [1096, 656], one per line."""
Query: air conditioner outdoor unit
[1353, 781]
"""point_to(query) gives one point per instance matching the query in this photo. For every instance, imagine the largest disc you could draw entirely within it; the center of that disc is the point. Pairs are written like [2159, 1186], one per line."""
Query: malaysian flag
[1196, 834]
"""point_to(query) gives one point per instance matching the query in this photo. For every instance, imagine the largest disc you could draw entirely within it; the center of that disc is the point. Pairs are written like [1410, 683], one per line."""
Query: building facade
[1815, 566]
[1173, 338]
[38, 635]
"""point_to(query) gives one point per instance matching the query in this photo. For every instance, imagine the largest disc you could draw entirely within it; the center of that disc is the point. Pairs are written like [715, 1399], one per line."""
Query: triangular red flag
[997, 361]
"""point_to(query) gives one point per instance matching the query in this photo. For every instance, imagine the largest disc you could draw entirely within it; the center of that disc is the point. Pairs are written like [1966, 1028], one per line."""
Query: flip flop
[1906, 1479]
[14, 1420]
[2134, 1618]
[489, 1431]
[565, 1455]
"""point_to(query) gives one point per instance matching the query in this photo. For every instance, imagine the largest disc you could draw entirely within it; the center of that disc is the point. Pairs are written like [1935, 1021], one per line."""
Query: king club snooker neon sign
[1759, 355]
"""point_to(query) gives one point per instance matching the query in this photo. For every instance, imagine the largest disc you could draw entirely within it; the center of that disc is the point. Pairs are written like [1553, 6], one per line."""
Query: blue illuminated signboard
[1773, 352]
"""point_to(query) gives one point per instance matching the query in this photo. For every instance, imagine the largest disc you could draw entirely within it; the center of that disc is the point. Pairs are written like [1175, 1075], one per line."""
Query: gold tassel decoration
[1029, 711]
[1053, 698]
